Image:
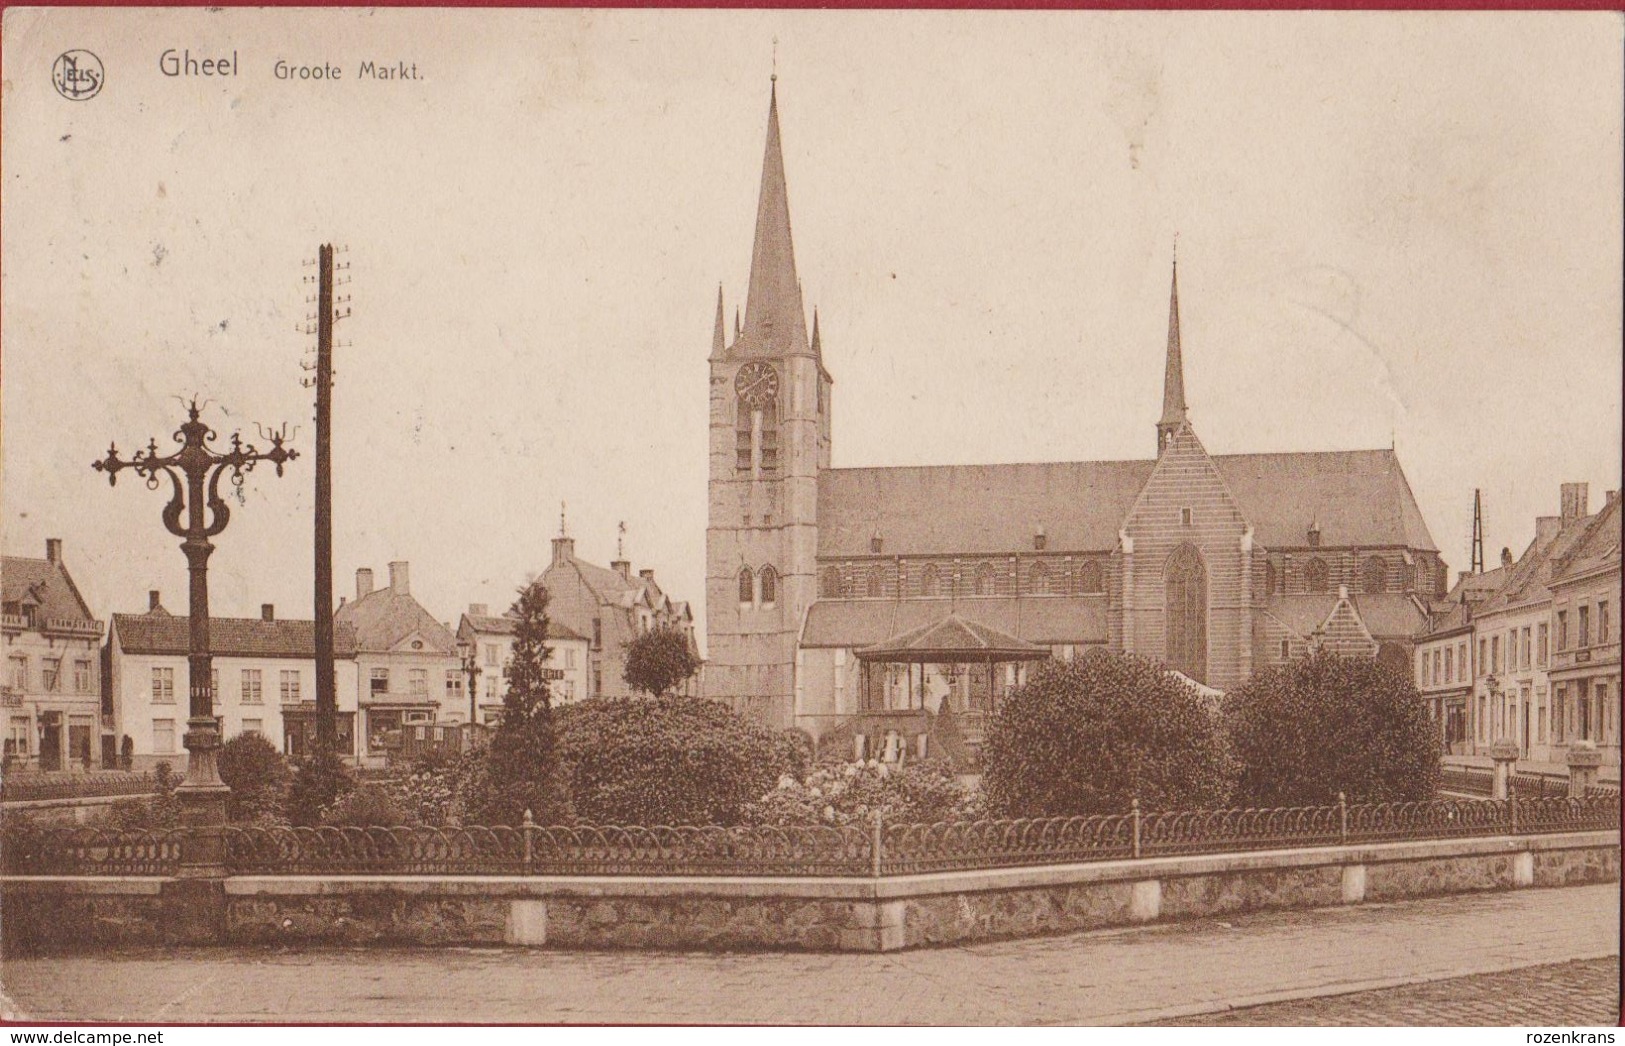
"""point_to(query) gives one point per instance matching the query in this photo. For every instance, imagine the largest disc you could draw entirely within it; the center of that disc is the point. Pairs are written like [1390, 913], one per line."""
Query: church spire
[718, 342]
[775, 322]
[1173, 382]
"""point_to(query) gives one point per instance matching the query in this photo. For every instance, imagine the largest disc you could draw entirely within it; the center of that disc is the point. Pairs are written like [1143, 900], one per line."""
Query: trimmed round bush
[663, 761]
[1326, 724]
[258, 776]
[1090, 734]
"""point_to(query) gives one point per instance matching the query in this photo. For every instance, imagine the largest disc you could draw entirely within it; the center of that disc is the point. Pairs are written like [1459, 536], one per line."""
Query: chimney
[1611, 497]
[153, 602]
[53, 549]
[1506, 556]
[564, 548]
[400, 579]
[1546, 528]
[1463, 575]
[1574, 500]
[363, 583]
[646, 574]
[622, 567]
[267, 611]
[479, 610]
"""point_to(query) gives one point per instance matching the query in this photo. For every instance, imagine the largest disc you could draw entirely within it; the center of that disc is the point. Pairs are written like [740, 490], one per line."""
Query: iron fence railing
[872, 850]
[29, 787]
[1464, 780]
[90, 851]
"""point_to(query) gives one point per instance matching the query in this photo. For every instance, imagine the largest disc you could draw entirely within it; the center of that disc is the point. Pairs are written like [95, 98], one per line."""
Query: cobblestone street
[1572, 994]
[1111, 977]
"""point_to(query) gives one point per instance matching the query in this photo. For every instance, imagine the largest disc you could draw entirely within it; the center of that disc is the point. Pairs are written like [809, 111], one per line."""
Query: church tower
[769, 437]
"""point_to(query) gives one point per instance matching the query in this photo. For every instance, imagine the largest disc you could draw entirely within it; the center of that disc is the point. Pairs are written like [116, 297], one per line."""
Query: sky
[1393, 229]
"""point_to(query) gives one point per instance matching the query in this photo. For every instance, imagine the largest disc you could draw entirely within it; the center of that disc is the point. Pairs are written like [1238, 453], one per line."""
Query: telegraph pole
[327, 313]
[1478, 532]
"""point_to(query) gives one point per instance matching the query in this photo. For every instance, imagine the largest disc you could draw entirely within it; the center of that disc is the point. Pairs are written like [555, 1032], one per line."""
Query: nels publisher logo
[77, 75]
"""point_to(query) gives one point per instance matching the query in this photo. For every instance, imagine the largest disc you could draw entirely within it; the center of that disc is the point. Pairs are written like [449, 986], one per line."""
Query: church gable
[1344, 633]
[1186, 561]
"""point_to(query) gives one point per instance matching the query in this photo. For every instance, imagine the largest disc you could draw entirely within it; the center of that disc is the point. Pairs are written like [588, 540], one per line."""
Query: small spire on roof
[817, 348]
[717, 332]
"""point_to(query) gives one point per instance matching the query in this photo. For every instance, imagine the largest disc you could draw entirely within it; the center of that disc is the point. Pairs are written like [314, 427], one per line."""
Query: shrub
[1090, 734]
[437, 789]
[126, 753]
[366, 806]
[1307, 730]
[521, 771]
[852, 793]
[258, 776]
[660, 660]
[318, 783]
[162, 811]
[663, 761]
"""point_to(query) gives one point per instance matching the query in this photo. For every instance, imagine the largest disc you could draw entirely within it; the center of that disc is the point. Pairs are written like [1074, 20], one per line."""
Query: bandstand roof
[950, 640]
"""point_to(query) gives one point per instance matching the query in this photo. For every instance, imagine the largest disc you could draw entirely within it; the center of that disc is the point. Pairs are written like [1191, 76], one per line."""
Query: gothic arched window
[1269, 578]
[984, 580]
[831, 584]
[877, 583]
[747, 586]
[769, 581]
[1315, 576]
[1376, 575]
[1039, 579]
[770, 436]
[1090, 579]
[1185, 581]
[742, 448]
[930, 580]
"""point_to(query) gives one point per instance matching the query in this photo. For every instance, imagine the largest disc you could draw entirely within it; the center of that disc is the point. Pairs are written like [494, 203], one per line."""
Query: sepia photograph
[802, 518]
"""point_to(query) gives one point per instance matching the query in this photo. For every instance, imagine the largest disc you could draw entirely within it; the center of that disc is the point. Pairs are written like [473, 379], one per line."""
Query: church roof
[1385, 614]
[1358, 497]
[1043, 620]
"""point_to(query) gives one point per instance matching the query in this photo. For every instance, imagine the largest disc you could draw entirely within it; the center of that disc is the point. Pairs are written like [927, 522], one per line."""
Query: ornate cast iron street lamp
[470, 652]
[196, 512]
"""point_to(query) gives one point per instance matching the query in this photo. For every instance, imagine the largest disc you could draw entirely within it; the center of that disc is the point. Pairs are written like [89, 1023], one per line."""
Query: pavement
[1114, 977]
[1582, 994]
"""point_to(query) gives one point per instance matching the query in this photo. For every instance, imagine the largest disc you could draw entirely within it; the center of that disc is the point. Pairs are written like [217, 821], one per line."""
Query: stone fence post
[1505, 754]
[1583, 759]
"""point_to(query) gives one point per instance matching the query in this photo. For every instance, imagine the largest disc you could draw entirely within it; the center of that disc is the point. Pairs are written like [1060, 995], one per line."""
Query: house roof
[1046, 620]
[504, 625]
[1596, 547]
[953, 638]
[385, 617]
[23, 578]
[1526, 580]
[1356, 497]
[161, 632]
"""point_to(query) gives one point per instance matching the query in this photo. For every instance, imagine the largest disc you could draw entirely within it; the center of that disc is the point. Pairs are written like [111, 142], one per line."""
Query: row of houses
[81, 693]
[1529, 651]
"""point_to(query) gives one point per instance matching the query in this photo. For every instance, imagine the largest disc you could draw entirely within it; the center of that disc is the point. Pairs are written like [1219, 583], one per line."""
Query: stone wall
[46, 914]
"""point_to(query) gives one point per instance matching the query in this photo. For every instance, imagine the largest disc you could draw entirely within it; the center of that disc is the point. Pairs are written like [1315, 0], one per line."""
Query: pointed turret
[1173, 382]
[817, 347]
[775, 322]
[718, 344]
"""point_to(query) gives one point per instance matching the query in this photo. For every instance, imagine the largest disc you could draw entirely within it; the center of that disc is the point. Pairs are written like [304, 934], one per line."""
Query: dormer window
[1314, 535]
[1040, 540]
[876, 543]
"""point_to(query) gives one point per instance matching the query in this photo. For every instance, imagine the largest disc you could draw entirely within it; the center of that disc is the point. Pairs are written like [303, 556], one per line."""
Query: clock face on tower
[757, 383]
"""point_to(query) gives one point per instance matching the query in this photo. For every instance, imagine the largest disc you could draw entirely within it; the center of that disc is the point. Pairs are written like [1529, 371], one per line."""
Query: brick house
[491, 639]
[264, 681]
[1217, 564]
[608, 608]
[408, 672]
[54, 711]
